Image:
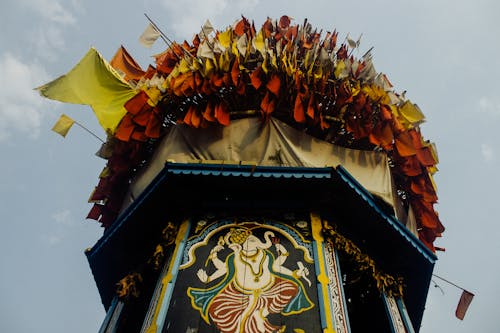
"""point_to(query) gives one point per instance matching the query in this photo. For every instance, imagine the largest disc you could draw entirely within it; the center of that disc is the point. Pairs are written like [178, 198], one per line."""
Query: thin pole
[206, 38]
[449, 282]
[92, 133]
[165, 38]
[162, 35]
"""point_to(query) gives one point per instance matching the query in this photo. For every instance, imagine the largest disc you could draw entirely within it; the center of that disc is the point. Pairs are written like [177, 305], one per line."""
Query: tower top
[295, 74]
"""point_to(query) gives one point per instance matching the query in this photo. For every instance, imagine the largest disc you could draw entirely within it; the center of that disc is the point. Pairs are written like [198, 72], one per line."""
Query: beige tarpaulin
[271, 143]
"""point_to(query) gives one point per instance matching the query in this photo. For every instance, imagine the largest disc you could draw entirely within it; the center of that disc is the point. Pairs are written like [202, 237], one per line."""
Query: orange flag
[123, 62]
[463, 304]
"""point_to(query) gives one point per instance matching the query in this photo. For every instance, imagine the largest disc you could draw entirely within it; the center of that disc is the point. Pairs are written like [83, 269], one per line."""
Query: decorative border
[202, 238]
[324, 297]
[386, 283]
[391, 306]
[168, 280]
[340, 316]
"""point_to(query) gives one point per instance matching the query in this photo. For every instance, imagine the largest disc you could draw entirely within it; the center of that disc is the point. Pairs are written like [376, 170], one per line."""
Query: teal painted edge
[156, 295]
[318, 286]
[160, 321]
[404, 315]
[330, 296]
[368, 197]
[388, 312]
[344, 303]
[109, 314]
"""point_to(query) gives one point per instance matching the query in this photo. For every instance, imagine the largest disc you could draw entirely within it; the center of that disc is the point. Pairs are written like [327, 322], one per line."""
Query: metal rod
[449, 282]
[162, 35]
[165, 38]
[92, 133]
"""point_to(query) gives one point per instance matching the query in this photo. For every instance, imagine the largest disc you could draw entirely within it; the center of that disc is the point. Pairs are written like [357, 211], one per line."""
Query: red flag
[463, 304]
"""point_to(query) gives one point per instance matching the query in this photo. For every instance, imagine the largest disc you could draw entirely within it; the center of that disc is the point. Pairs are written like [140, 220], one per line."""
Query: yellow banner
[93, 82]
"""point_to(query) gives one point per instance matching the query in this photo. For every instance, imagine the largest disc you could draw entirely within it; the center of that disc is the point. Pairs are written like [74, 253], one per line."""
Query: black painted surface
[182, 316]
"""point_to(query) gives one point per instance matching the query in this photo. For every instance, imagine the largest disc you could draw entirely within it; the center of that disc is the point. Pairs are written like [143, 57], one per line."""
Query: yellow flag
[209, 67]
[412, 113]
[225, 38]
[340, 69]
[63, 125]
[93, 82]
[259, 42]
[224, 62]
[184, 66]
[154, 95]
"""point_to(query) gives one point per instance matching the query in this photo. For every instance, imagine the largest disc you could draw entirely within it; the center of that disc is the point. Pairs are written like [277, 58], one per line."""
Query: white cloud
[51, 10]
[489, 105]
[487, 152]
[49, 42]
[19, 104]
[63, 217]
[53, 239]
[52, 19]
[63, 223]
[187, 17]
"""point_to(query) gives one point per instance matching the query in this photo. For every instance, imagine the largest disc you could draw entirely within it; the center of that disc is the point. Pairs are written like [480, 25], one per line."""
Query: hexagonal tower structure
[261, 181]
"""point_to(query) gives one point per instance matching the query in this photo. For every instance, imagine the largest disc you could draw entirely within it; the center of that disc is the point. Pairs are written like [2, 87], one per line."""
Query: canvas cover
[272, 143]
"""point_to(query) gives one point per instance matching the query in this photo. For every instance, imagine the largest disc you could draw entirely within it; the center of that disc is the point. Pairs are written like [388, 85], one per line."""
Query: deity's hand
[303, 272]
[202, 275]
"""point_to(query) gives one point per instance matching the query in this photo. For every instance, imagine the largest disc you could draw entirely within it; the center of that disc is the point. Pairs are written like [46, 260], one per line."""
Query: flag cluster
[293, 72]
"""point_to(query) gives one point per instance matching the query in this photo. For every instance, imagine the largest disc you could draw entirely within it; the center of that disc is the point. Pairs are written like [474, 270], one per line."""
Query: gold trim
[317, 228]
[191, 251]
[386, 283]
[168, 277]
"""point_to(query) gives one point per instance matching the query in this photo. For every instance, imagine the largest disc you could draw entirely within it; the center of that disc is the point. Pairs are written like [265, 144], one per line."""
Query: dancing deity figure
[255, 284]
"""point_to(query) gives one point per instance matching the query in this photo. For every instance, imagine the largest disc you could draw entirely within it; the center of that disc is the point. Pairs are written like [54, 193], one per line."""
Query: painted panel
[252, 276]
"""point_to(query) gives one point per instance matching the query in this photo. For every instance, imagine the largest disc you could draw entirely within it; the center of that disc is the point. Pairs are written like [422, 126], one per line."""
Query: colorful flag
[412, 113]
[206, 29]
[63, 125]
[123, 62]
[463, 304]
[93, 82]
[149, 36]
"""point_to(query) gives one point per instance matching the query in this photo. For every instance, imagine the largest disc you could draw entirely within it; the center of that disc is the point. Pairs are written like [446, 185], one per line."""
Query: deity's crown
[239, 235]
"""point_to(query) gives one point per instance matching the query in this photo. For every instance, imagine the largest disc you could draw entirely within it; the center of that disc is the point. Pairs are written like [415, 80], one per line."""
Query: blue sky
[443, 53]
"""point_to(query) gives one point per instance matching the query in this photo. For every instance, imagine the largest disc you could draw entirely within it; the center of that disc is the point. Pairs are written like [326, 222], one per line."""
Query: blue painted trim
[368, 197]
[404, 315]
[322, 315]
[316, 263]
[258, 172]
[233, 170]
[330, 297]
[388, 312]
[237, 170]
[344, 303]
[162, 314]
[321, 306]
[109, 315]
[123, 218]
